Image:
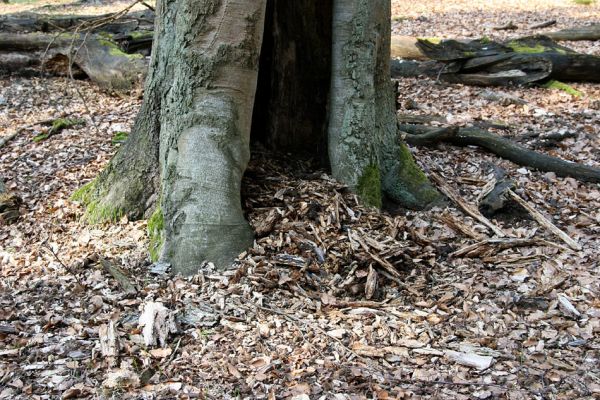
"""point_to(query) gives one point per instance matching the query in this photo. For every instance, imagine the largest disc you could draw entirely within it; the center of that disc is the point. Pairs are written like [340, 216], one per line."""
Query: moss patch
[155, 233]
[552, 84]
[519, 47]
[408, 185]
[432, 40]
[95, 211]
[57, 126]
[119, 138]
[115, 50]
[369, 186]
[137, 35]
[83, 194]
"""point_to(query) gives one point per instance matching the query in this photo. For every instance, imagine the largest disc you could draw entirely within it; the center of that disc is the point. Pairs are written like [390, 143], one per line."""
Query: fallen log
[28, 22]
[101, 59]
[591, 32]
[519, 61]
[500, 146]
[485, 63]
[406, 47]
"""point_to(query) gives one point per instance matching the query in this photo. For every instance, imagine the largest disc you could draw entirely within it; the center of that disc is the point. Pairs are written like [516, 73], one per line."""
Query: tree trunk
[364, 148]
[198, 111]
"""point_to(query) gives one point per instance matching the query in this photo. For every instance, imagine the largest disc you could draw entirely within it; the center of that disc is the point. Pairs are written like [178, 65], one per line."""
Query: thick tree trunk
[198, 110]
[364, 148]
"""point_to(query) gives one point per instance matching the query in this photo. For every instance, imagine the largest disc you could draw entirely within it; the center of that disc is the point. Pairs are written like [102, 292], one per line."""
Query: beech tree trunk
[324, 84]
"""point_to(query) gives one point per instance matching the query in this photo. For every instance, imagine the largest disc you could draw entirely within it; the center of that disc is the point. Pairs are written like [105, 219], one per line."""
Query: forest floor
[300, 317]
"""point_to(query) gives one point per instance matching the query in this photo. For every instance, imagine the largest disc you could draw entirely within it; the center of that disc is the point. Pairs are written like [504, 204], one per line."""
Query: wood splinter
[544, 221]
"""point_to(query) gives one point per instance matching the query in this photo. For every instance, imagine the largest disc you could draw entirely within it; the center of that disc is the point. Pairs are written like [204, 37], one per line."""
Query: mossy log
[423, 135]
[516, 62]
[100, 58]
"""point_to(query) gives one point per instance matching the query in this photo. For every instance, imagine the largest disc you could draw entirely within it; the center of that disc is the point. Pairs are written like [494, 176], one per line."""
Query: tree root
[422, 135]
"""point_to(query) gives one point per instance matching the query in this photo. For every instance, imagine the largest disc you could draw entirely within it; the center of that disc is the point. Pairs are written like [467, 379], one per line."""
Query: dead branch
[509, 26]
[497, 245]
[504, 148]
[119, 275]
[468, 208]
[545, 222]
[544, 24]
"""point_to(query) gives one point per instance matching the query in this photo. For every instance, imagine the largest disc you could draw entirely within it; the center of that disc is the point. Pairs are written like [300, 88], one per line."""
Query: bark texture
[130, 183]
[364, 148]
[205, 130]
[194, 127]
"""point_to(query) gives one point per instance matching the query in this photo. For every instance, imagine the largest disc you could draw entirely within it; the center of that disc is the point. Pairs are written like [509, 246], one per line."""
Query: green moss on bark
[57, 126]
[115, 50]
[369, 186]
[408, 185]
[95, 211]
[156, 225]
[520, 47]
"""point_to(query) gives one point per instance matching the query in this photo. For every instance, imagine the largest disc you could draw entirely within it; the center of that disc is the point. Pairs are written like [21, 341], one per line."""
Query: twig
[502, 244]
[69, 270]
[119, 275]
[543, 24]
[11, 136]
[148, 6]
[468, 208]
[170, 360]
[458, 226]
[544, 221]
[506, 27]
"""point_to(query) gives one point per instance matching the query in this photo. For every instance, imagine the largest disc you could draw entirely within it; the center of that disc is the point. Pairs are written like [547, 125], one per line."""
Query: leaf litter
[334, 300]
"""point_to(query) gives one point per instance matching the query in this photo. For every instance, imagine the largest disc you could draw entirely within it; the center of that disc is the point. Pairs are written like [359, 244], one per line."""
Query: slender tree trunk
[364, 146]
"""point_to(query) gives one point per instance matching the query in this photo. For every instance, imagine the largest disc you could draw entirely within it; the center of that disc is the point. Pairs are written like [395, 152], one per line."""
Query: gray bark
[205, 131]
[363, 138]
